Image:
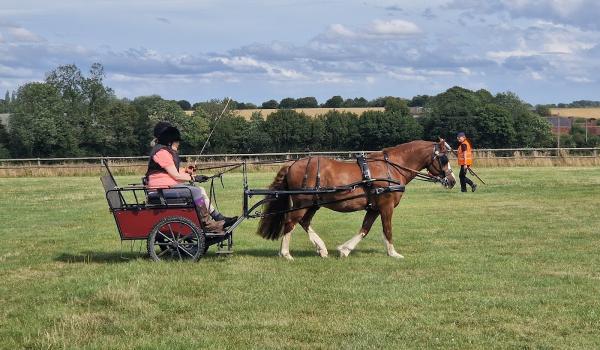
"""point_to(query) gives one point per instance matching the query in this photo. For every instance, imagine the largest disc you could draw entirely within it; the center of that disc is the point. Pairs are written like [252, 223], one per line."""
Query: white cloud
[579, 79]
[23, 35]
[377, 29]
[249, 64]
[465, 71]
[396, 27]
[340, 30]
[580, 13]
[536, 76]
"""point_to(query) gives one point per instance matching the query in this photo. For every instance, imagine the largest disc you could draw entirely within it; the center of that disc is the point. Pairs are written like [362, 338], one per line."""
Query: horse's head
[440, 165]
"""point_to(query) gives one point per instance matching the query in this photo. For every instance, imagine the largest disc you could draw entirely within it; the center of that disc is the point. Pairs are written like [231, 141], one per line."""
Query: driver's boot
[229, 220]
[208, 223]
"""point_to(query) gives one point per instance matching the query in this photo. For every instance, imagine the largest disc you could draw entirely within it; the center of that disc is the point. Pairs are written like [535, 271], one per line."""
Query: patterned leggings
[183, 191]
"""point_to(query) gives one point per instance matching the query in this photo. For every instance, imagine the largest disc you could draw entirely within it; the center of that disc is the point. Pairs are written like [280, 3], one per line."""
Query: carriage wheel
[176, 238]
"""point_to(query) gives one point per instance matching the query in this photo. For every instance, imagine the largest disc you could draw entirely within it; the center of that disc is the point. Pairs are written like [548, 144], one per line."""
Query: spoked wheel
[176, 238]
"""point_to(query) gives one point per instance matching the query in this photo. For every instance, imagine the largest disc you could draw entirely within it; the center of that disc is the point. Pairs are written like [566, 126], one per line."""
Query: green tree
[543, 110]
[288, 130]
[96, 99]
[531, 129]
[185, 105]
[257, 139]
[341, 131]
[229, 135]
[287, 103]
[419, 101]
[4, 139]
[118, 125]
[307, 102]
[270, 104]
[334, 102]
[39, 126]
[395, 104]
[386, 129]
[143, 125]
[194, 129]
[495, 127]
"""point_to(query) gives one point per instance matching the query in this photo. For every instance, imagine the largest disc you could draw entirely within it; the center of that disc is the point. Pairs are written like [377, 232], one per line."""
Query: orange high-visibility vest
[465, 157]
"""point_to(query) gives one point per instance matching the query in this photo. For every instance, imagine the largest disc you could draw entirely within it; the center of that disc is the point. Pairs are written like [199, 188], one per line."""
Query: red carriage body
[171, 226]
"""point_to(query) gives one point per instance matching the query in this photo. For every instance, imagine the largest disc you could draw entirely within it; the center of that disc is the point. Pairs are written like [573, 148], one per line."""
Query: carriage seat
[154, 198]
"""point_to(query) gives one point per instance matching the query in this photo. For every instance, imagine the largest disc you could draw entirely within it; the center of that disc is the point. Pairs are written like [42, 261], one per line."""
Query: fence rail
[497, 153]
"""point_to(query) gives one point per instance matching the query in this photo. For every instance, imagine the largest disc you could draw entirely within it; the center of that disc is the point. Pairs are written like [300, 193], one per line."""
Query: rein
[418, 175]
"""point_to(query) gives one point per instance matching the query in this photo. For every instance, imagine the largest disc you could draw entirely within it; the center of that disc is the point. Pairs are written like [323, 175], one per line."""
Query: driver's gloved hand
[201, 178]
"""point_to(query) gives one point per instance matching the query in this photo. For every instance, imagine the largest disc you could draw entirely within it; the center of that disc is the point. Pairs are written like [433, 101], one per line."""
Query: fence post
[38, 162]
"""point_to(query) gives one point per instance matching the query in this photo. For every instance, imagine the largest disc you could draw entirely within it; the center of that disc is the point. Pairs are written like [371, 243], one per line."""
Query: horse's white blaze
[391, 251]
[317, 241]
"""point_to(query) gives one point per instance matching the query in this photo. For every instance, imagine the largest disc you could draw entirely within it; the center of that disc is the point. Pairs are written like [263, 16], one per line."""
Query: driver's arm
[182, 177]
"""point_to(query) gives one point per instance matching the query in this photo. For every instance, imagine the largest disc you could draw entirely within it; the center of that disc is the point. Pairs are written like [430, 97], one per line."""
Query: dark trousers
[464, 180]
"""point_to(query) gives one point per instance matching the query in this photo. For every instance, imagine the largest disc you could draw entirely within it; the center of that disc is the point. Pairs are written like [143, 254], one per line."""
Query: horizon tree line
[74, 114]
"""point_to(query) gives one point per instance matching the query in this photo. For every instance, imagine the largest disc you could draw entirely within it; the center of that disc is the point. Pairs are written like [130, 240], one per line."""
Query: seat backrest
[113, 197]
[108, 182]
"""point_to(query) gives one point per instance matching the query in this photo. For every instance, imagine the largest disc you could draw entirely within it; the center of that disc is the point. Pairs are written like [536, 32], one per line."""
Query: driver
[163, 172]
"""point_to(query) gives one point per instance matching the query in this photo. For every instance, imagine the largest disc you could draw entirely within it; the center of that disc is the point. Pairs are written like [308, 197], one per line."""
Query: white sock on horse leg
[314, 238]
[389, 247]
[353, 242]
[317, 241]
[285, 246]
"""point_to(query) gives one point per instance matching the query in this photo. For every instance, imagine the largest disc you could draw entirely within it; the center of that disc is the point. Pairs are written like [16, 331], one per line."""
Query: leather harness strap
[364, 167]
[366, 176]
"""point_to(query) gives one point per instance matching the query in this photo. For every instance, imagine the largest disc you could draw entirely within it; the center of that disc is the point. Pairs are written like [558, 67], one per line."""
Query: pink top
[162, 180]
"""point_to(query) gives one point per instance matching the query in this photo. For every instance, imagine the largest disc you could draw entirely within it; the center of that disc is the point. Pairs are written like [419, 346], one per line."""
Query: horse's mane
[406, 147]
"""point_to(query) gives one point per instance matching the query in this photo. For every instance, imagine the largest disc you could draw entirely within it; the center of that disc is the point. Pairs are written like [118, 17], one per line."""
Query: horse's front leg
[386, 220]
[349, 245]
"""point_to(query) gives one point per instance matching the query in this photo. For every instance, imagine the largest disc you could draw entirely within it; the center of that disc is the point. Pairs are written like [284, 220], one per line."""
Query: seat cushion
[154, 198]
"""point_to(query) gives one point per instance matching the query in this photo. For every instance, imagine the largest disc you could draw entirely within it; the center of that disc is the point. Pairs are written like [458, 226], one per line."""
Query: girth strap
[364, 167]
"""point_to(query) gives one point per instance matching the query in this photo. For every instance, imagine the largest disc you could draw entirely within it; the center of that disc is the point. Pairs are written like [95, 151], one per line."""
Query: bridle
[441, 159]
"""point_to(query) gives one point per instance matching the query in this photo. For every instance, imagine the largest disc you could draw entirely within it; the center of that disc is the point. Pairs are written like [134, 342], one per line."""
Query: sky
[546, 51]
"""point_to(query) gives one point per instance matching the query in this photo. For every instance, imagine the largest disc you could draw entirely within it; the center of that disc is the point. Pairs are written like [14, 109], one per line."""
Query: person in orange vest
[465, 160]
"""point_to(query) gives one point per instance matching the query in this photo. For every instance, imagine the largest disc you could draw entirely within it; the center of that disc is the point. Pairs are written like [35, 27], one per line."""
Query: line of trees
[311, 102]
[76, 114]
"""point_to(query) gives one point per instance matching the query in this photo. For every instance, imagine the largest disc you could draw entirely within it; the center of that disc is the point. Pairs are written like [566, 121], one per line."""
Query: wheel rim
[176, 240]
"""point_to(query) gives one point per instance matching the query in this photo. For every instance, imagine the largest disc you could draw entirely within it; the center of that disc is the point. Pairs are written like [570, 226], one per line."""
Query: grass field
[514, 265]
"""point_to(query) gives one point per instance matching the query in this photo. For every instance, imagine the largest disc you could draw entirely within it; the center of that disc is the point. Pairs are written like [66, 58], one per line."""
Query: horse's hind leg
[292, 218]
[312, 235]
[386, 221]
[349, 246]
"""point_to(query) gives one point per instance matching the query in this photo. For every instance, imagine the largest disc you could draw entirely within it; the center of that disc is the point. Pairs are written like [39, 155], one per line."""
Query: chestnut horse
[401, 163]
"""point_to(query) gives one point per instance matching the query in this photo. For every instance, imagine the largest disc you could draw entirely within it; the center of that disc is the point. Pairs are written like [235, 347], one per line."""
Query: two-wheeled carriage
[173, 230]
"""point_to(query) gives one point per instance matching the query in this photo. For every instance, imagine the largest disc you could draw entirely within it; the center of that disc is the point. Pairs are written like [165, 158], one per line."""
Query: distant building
[565, 118]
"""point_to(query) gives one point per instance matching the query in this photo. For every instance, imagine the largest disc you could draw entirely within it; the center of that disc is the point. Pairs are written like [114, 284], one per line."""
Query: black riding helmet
[166, 133]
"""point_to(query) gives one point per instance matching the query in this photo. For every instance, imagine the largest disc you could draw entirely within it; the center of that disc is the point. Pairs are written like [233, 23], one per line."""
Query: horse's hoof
[396, 255]
[323, 253]
[344, 252]
[287, 256]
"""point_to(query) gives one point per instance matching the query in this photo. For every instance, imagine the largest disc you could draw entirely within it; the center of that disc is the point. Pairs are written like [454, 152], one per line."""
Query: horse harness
[366, 183]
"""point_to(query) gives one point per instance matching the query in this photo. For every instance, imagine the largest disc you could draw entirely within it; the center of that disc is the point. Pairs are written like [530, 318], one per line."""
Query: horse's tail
[271, 225]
